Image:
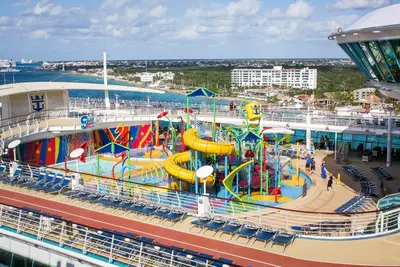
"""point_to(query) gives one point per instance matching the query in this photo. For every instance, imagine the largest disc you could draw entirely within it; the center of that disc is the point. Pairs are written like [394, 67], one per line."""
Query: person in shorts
[312, 165]
[308, 163]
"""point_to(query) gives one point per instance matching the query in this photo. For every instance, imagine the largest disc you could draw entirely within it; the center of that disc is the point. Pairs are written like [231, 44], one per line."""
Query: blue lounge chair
[92, 197]
[231, 228]
[3, 171]
[283, 238]
[175, 215]
[215, 224]
[57, 180]
[17, 174]
[40, 179]
[248, 231]
[222, 262]
[58, 187]
[201, 222]
[264, 234]
[137, 206]
[49, 178]
[161, 212]
[148, 209]
[125, 204]
[203, 258]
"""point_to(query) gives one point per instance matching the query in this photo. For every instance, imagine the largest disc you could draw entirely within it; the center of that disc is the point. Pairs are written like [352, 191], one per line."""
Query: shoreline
[167, 90]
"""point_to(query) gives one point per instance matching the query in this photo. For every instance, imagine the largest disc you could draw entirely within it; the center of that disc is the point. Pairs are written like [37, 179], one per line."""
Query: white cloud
[4, 20]
[297, 10]
[189, 32]
[158, 11]
[113, 4]
[40, 34]
[244, 7]
[360, 4]
[45, 8]
[132, 13]
[112, 18]
[22, 3]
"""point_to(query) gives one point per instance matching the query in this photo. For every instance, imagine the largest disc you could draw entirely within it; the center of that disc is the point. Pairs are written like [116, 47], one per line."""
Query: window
[371, 61]
[381, 62]
[390, 57]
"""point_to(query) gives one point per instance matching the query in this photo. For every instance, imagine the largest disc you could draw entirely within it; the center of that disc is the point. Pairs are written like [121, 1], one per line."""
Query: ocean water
[53, 76]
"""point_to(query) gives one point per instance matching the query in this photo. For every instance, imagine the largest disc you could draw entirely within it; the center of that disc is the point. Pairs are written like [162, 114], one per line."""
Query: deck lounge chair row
[46, 182]
[100, 241]
[353, 205]
[368, 189]
[382, 173]
[128, 204]
[232, 228]
[354, 173]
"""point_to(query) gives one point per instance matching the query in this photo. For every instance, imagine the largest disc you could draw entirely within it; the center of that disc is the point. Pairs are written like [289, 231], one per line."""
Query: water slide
[228, 181]
[191, 139]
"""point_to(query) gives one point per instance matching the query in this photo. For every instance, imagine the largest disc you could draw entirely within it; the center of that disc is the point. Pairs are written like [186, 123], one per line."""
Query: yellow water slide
[191, 139]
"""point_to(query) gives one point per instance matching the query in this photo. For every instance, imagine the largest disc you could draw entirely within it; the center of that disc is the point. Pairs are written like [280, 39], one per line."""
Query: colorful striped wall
[55, 150]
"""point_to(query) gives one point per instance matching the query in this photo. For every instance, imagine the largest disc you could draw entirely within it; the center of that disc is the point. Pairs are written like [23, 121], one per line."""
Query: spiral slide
[190, 138]
[228, 182]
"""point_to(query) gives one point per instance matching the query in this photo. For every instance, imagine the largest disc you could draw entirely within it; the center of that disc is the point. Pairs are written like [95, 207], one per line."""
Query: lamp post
[13, 145]
[76, 154]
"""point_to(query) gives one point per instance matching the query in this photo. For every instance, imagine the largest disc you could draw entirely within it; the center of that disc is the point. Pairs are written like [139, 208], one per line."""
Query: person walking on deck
[322, 143]
[312, 166]
[308, 163]
[323, 170]
[330, 182]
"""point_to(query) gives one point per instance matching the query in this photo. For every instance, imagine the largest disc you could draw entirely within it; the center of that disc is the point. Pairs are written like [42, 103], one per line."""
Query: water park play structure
[244, 167]
[246, 160]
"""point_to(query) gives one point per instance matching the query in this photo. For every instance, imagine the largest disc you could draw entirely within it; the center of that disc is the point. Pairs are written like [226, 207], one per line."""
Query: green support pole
[98, 164]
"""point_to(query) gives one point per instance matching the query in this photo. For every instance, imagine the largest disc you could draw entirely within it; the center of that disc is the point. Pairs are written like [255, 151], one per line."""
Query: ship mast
[106, 96]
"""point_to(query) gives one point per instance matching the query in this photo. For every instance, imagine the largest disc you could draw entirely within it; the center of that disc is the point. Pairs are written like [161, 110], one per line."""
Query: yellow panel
[253, 111]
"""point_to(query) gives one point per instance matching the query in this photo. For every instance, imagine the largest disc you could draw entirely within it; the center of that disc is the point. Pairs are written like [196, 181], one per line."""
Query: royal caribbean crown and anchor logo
[37, 102]
[256, 109]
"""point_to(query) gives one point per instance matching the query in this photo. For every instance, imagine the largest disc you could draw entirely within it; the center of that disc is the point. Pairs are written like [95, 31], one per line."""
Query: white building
[362, 93]
[146, 77]
[297, 78]
[165, 76]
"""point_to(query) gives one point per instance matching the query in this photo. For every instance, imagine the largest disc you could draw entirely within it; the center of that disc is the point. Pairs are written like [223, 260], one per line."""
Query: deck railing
[52, 120]
[121, 249]
[316, 225]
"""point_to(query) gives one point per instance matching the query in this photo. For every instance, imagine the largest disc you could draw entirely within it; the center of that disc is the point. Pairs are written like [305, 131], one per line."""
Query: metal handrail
[103, 245]
[318, 225]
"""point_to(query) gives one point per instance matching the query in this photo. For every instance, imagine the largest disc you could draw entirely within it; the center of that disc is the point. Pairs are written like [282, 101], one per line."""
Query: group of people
[310, 167]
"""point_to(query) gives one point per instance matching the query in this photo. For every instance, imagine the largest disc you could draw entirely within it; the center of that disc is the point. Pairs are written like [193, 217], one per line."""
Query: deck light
[376, 31]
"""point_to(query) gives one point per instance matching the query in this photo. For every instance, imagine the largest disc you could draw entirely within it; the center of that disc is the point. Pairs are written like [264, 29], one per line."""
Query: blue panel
[200, 92]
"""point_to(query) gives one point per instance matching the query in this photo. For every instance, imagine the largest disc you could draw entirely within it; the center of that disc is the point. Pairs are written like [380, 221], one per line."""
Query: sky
[175, 29]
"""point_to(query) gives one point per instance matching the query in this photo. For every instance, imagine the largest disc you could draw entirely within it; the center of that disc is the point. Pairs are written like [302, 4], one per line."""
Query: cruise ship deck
[321, 250]
[131, 202]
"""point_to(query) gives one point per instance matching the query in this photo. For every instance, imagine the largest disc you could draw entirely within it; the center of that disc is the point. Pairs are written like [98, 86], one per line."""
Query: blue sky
[168, 29]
